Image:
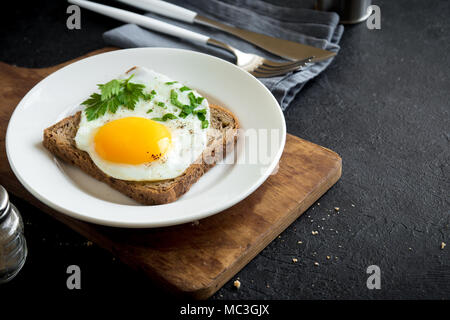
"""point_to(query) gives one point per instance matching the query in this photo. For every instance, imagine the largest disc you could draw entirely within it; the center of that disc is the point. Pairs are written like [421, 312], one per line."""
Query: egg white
[189, 140]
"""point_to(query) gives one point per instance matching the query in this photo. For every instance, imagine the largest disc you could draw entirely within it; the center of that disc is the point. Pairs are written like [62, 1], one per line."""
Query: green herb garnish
[149, 96]
[201, 116]
[189, 109]
[161, 104]
[195, 101]
[114, 93]
[174, 99]
[150, 110]
[166, 117]
[171, 82]
[110, 88]
[184, 88]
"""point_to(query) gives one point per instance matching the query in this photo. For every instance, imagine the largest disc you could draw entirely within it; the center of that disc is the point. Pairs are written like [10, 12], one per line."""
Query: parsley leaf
[174, 99]
[192, 99]
[149, 96]
[203, 111]
[113, 94]
[109, 89]
[130, 95]
[200, 100]
[184, 88]
[166, 117]
[96, 107]
[195, 101]
[190, 109]
[171, 82]
[201, 116]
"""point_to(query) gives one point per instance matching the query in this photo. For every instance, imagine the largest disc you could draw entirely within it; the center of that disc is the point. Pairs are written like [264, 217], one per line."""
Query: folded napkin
[315, 28]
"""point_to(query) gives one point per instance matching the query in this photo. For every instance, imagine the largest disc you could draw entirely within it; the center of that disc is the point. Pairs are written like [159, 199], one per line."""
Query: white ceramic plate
[68, 190]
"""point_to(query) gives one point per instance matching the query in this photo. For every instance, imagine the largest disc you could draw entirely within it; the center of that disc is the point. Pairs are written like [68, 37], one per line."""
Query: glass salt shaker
[13, 247]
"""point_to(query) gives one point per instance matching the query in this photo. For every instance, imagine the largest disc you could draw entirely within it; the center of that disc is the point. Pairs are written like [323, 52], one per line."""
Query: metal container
[13, 247]
[350, 11]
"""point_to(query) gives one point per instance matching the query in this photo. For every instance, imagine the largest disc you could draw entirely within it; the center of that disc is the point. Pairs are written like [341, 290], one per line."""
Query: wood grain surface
[192, 259]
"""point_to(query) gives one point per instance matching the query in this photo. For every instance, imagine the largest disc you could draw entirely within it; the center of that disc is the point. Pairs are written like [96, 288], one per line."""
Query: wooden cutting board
[192, 259]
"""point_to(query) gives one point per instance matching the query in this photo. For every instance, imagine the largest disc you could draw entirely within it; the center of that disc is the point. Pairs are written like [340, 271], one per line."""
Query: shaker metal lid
[4, 202]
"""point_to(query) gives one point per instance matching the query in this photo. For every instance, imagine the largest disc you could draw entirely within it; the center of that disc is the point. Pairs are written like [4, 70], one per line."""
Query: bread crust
[59, 139]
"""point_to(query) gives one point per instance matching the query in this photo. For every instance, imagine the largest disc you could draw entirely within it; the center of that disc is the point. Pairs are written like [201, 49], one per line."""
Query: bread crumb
[443, 244]
[328, 257]
[267, 286]
[353, 205]
[299, 242]
[294, 260]
[237, 284]
[318, 203]
[336, 208]
[89, 243]
[314, 233]
[316, 264]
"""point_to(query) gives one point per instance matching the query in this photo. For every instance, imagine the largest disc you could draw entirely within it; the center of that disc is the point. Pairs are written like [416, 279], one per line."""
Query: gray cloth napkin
[315, 28]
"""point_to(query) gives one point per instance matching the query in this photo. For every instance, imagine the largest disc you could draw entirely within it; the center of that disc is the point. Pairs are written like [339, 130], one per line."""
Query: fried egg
[142, 144]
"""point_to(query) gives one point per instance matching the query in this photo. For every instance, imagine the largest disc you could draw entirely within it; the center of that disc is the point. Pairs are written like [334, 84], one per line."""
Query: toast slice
[59, 139]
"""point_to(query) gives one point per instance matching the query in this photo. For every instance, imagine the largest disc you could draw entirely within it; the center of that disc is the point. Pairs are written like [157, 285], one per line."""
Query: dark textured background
[383, 105]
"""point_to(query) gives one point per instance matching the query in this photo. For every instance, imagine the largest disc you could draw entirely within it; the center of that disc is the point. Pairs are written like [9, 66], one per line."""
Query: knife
[284, 48]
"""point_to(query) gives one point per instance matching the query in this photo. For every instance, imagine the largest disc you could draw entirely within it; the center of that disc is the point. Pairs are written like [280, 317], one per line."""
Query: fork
[258, 66]
[254, 64]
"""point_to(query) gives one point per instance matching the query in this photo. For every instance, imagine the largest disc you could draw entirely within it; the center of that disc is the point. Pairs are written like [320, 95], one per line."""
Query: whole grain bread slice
[59, 139]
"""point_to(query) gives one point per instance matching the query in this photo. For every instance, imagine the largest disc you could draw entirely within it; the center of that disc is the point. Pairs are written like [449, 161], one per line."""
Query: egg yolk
[132, 140]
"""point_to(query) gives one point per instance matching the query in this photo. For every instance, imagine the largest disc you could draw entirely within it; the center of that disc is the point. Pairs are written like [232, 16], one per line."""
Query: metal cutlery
[254, 64]
[258, 66]
[287, 49]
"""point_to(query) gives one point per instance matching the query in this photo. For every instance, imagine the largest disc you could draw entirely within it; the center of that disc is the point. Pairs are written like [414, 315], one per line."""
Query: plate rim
[111, 223]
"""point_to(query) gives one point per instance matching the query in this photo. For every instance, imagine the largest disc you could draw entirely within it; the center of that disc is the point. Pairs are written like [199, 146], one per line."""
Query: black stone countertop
[383, 105]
